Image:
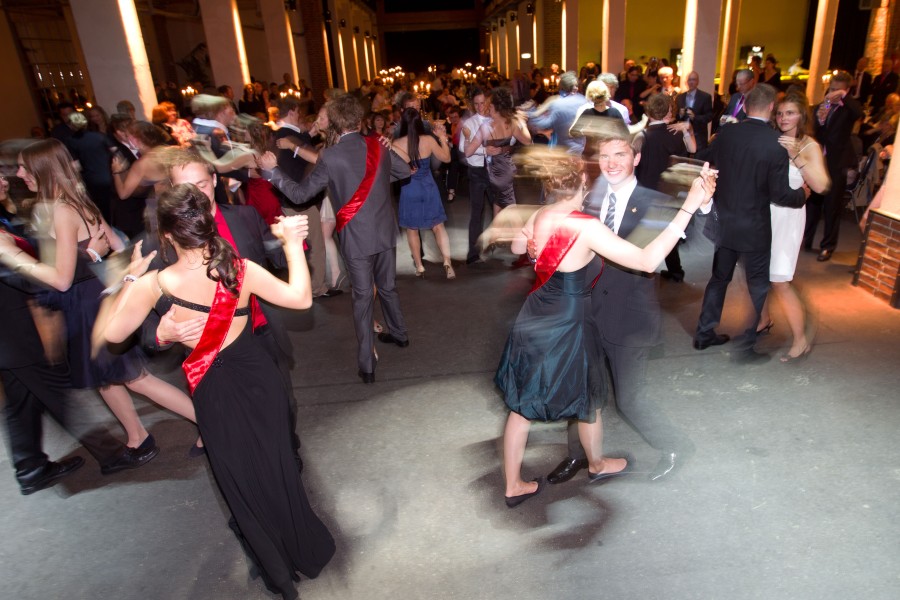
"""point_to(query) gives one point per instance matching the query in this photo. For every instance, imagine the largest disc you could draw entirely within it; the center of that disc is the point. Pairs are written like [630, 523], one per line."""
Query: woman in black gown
[240, 398]
[543, 370]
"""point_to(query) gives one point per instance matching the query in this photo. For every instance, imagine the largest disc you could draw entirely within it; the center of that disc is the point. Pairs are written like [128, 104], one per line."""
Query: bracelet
[95, 256]
[674, 229]
[687, 211]
[22, 266]
[129, 278]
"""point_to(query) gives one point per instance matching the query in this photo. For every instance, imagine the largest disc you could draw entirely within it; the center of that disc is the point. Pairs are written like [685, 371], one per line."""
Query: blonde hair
[597, 92]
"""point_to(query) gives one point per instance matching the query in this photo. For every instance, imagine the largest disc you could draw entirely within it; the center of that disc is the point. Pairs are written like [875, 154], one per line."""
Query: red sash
[349, 210]
[221, 313]
[555, 251]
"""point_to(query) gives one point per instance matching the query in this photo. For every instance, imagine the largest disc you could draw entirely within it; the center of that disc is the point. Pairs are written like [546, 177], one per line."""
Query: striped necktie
[610, 220]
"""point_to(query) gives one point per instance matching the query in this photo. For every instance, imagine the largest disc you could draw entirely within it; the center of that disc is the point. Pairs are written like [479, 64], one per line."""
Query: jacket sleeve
[300, 192]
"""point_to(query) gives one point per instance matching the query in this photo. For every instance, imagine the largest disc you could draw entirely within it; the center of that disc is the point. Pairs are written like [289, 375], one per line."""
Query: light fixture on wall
[529, 9]
[493, 28]
[290, 4]
[502, 22]
[368, 35]
[343, 23]
[512, 17]
[327, 16]
[356, 29]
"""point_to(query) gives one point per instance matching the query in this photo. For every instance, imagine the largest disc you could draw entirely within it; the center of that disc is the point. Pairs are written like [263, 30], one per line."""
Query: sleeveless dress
[261, 196]
[544, 368]
[420, 200]
[787, 233]
[114, 363]
[244, 418]
[501, 172]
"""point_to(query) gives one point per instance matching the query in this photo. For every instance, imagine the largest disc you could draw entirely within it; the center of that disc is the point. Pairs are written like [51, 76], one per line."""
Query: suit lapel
[634, 212]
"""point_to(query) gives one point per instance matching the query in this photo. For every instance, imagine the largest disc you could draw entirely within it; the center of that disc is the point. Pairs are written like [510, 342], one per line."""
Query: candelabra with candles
[291, 92]
[188, 92]
[422, 90]
[551, 84]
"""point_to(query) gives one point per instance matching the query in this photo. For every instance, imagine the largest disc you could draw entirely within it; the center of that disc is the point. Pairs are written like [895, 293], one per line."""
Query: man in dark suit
[213, 115]
[861, 88]
[696, 106]
[886, 83]
[753, 172]
[835, 118]
[357, 172]
[32, 386]
[625, 317]
[736, 110]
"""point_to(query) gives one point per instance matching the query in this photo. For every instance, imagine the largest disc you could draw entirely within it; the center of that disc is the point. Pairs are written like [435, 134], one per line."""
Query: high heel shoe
[795, 360]
[765, 330]
[420, 272]
[451, 274]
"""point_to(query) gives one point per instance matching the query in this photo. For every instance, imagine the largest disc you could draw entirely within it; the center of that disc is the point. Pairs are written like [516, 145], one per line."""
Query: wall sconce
[356, 29]
[502, 22]
[368, 35]
[290, 5]
[529, 9]
[374, 37]
[343, 23]
[512, 17]
[493, 28]
[327, 16]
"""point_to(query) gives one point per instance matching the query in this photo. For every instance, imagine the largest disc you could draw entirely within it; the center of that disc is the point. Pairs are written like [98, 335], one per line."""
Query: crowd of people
[205, 211]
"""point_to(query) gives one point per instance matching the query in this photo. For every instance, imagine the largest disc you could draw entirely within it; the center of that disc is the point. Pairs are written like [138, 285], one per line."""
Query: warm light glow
[526, 55]
[366, 54]
[341, 56]
[356, 61]
[564, 35]
[518, 48]
[690, 36]
[534, 47]
[327, 53]
[374, 61]
[238, 37]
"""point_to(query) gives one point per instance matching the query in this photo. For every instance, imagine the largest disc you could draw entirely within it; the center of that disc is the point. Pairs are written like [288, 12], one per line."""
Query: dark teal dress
[543, 372]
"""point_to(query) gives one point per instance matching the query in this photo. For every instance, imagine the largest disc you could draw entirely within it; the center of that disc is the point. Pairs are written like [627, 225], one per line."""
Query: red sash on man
[373, 158]
[555, 250]
[221, 314]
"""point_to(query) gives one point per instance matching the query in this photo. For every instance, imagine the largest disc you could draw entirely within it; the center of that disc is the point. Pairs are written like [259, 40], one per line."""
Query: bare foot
[521, 487]
[608, 465]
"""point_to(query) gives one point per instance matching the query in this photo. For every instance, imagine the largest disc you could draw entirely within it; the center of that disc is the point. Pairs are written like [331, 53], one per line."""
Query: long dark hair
[412, 127]
[184, 213]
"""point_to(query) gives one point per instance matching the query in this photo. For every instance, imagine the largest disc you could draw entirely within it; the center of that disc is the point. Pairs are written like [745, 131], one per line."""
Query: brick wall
[878, 267]
[311, 13]
[552, 35]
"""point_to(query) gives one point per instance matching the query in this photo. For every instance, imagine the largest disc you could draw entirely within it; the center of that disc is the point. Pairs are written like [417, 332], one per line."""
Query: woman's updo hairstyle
[184, 213]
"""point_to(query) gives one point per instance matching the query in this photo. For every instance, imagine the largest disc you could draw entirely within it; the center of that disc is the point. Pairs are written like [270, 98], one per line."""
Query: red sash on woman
[221, 313]
[349, 210]
[555, 250]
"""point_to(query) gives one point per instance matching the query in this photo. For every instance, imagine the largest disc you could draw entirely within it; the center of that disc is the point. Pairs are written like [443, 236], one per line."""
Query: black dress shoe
[600, 477]
[132, 458]
[824, 255]
[675, 276]
[366, 377]
[750, 357]
[566, 470]
[389, 339]
[331, 293]
[48, 474]
[517, 500]
[716, 341]
[668, 462]
[196, 451]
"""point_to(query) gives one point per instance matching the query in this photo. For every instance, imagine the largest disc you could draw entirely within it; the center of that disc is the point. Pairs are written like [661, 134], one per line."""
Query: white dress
[787, 233]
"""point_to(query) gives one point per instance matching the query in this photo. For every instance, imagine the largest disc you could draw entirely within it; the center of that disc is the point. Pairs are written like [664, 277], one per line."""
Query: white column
[225, 40]
[729, 42]
[826, 19]
[613, 51]
[113, 47]
[701, 39]
[279, 40]
[570, 36]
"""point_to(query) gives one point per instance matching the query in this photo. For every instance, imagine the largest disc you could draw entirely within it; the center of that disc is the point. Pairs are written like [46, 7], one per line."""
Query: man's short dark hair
[64, 105]
[223, 89]
[289, 103]
[658, 106]
[345, 113]
[760, 97]
[120, 122]
[475, 91]
[842, 77]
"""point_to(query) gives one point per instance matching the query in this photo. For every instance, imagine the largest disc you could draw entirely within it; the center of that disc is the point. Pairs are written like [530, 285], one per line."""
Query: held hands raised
[291, 230]
[139, 264]
[267, 161]
[790, 144]
[702, 189]
[285, 144]
[99, 243]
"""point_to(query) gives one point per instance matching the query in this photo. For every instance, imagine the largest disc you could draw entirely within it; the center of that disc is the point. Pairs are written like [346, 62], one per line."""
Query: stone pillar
[317, 51]
[613, 51]
[19, 110]
[877, 39]
[225, 41]
[570, 36]
[826, 19]
[729, 43]
[279, 40]
[526, 39]
[114, 53]
[701, 39]
[503, 47]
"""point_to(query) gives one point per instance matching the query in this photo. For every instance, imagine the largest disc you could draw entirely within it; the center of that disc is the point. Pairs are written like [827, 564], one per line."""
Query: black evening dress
[502, 171]
[244, 418]
[544, 368]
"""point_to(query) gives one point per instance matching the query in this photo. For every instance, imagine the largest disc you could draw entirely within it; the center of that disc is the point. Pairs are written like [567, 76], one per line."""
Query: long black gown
[543, 372]
[244, 418]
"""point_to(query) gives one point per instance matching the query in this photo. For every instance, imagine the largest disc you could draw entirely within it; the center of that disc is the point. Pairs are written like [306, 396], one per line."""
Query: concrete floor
[792, 492]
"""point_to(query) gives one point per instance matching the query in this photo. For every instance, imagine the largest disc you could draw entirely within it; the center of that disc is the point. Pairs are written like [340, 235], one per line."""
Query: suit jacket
[624, 303]
[703, 114]
[753, 172]
[865, 89]
[293, 166]
[732, 104]
[834, 135]
[340, 169]
[255, 242]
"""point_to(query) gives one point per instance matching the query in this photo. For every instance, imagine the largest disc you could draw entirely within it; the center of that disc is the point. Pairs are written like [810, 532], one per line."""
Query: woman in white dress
[807, 167]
